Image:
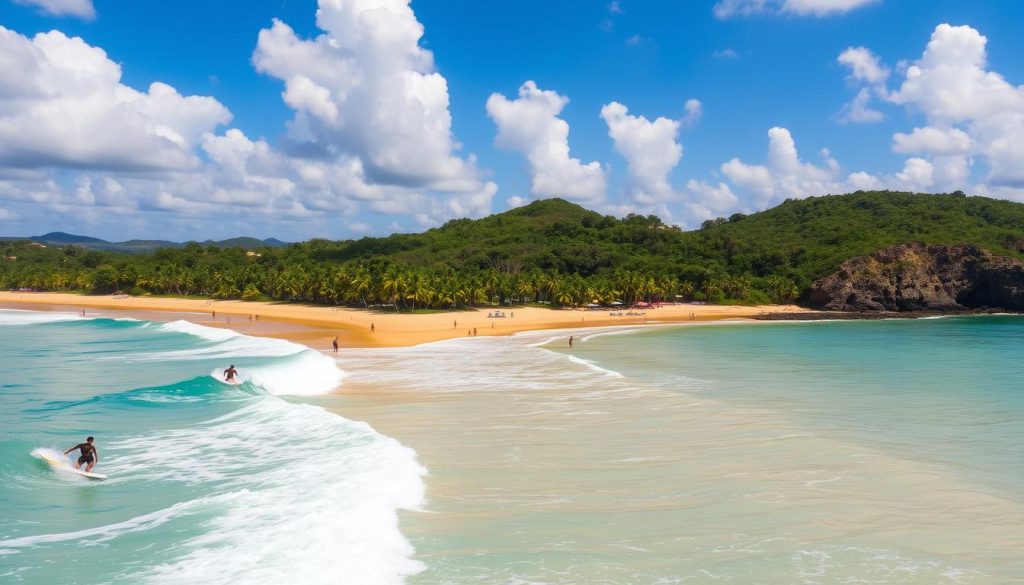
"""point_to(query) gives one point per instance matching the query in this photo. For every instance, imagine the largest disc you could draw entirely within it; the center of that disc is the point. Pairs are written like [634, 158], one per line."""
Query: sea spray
[208, 483]
[317, 507]
[9, 317]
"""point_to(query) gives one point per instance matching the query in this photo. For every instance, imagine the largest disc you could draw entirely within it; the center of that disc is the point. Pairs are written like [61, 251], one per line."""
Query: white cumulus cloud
[784, 175]
[859, 111]
[917, 175]
[707, 200]
[366, 88]
[823, 7]
[864, 65]
[650, 149]
[371, 135]
[694, 111]
[950, 141]
[62, 103]
[724, 9]
[80, 8]
[968, 107]
[865, 69]
[530, 125]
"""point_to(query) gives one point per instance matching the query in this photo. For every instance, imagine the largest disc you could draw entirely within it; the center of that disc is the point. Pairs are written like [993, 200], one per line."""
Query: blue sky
[687, 109]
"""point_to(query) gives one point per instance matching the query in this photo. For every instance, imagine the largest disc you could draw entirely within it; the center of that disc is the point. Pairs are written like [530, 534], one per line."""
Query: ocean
[208, 483]
[882, 452]
[774, 453]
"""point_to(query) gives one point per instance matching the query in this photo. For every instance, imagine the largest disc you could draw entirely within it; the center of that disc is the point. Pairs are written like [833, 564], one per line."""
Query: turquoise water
[884, 452]
[949, 391]
[208, 483]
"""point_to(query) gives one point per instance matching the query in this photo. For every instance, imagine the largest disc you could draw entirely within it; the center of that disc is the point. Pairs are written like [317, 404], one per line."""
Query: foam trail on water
[307, 373]
[20, 317]
[236, 486]
[626, 331]
[313, 498]
[302, 372]
[100, 534]
[594, 366]
[207, 333]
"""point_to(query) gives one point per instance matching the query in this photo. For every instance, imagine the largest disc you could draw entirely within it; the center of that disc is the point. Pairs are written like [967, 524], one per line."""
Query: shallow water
[868, 452]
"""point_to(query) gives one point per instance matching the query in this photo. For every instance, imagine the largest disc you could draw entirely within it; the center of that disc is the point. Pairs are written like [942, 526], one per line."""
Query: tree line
[235, 274]
[550, 251]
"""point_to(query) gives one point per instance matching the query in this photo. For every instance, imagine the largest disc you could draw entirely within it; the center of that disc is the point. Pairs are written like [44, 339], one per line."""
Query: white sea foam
[545, 341]
[306, 373]
[207, 333]
[222, 343]
[101, 534]
[314, 498]
[629, 331]
[468, 365]
[594, 366]
[20, 317]
[301, 372]
[288, 493]
[92, 536]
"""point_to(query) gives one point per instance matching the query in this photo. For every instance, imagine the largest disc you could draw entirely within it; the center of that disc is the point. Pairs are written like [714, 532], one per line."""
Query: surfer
[229, 374]
[90, 456]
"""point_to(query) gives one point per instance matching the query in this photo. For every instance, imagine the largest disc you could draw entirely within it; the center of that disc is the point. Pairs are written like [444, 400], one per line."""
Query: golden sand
[316, 326]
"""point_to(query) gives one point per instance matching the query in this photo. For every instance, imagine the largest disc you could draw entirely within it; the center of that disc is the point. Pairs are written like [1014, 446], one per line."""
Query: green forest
[550, 251]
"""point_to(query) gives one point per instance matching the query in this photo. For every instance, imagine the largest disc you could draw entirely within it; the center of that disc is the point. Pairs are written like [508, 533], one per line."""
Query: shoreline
[813, 315]
[316, 326]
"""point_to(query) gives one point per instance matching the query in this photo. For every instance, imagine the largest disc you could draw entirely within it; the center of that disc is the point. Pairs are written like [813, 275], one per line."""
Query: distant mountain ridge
[140, 246]
[554, 251]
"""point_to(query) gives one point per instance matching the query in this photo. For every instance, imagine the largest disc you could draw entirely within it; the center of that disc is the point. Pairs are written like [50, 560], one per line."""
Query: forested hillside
[549, 251]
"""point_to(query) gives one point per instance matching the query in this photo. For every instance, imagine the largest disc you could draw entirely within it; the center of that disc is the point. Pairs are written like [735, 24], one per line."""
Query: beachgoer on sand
[335, 343]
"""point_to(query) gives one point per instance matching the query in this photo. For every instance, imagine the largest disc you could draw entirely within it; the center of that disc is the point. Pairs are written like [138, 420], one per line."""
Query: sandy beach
[316, 326]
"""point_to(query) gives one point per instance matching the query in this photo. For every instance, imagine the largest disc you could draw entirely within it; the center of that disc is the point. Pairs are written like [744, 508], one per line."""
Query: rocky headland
[926, 279]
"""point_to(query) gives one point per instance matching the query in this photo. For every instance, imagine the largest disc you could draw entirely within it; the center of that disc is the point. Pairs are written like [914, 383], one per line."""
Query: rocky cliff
[916, 277]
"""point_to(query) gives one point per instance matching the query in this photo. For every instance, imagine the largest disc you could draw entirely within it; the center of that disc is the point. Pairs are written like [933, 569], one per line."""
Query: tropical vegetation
[550, 252]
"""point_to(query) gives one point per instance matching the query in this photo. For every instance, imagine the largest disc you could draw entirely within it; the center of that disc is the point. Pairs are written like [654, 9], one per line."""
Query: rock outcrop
[915, 277]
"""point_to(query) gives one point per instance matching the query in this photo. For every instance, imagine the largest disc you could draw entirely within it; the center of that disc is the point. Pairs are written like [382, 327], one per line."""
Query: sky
[343, 118]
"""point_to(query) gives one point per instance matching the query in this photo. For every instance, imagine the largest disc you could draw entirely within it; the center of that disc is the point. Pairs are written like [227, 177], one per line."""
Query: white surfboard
[218, 375]
[61, 464]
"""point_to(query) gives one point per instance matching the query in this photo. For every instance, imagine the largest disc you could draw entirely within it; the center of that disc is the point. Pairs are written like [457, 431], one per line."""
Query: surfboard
[62, 464]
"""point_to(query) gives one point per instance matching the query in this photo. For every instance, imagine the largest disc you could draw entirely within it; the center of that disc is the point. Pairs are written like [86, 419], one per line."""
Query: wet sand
[316, 326]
